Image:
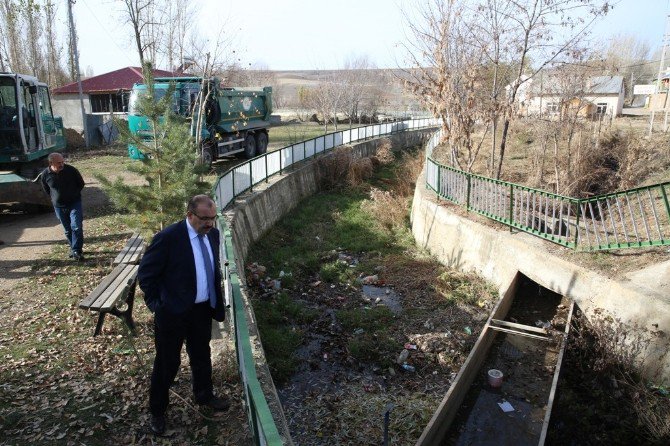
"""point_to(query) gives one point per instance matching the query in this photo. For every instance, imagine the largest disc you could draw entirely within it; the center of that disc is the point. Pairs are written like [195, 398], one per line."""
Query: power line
[124, 51]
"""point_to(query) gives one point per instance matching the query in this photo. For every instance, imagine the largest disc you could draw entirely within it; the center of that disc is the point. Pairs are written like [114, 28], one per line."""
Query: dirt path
[27, 238]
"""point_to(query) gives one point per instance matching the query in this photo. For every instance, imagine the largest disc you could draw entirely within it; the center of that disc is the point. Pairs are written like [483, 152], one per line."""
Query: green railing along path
[630, 219]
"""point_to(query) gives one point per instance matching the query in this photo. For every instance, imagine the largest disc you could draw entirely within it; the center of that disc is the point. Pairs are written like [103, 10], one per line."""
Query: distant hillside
[385, 83]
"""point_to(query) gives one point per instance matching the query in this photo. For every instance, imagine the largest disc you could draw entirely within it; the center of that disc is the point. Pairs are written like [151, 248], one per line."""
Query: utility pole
[75, 54]
[660, 73]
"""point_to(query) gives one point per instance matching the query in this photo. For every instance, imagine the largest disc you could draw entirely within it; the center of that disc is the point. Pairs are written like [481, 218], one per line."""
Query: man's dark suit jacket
[167, 272]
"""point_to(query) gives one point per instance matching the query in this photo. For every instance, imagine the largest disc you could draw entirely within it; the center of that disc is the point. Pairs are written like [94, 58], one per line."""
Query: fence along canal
[633, 218]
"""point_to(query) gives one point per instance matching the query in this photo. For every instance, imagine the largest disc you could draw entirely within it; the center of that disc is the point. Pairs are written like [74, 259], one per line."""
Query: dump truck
[236, 120]
[29, 131]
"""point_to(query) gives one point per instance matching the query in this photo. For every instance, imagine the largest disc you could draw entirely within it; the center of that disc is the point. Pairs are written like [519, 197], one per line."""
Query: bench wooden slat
[132, 251]
[93, 296]
[108, 298]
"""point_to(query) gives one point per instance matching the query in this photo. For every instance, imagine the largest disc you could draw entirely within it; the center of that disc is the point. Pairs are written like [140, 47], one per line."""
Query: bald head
[56, 162]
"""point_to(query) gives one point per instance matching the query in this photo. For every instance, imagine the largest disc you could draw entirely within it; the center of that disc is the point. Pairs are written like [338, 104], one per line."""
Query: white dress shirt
[200, 274]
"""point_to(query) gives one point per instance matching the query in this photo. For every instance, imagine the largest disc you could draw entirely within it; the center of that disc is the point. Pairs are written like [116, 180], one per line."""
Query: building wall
[537, 105]
[68, 107]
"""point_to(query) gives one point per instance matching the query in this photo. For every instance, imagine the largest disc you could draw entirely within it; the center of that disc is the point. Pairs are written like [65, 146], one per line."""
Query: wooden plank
[519, 326]
[93, 295]
[132, 251]
[110, 295]
[126, 248]
[520, 333]
[448, 408]
[557, 372]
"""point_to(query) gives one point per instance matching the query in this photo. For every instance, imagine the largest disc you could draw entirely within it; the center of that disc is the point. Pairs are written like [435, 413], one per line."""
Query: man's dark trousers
[194, 327]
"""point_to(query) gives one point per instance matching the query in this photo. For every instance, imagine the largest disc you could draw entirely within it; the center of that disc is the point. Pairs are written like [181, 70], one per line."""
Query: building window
[100, 103]
[552, 107]
[601, 108]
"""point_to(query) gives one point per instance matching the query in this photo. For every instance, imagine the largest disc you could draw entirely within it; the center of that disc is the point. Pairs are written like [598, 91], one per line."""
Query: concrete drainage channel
[502, 258]
[504, 392]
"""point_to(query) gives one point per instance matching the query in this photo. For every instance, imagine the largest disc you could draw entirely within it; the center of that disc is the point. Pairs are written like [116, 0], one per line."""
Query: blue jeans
[73, 222]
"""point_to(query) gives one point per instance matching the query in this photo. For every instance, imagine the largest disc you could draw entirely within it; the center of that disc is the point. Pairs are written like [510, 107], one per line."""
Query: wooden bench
[132, 252]
[116, 293]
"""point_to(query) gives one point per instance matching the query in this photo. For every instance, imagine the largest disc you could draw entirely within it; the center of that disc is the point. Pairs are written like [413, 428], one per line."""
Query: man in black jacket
[180, 274]
[63, 183]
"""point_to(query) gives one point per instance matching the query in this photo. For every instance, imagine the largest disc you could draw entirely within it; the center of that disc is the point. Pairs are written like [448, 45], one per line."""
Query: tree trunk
[503, 142]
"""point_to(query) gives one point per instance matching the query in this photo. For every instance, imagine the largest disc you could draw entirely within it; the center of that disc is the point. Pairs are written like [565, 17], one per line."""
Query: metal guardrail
[630, 219]
[245, 176]
[238, 180]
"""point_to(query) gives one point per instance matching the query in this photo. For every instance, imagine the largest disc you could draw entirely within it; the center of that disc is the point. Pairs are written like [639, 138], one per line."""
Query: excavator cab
[28, 128]
[28, 133]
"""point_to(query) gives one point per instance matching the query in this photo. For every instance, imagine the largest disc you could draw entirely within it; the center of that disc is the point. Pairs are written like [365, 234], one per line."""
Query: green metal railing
[261, 422]
[630, 219]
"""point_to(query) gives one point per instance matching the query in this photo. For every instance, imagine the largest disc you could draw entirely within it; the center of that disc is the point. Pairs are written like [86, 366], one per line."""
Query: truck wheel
[261, 143]
[249, 147]
[207, 156]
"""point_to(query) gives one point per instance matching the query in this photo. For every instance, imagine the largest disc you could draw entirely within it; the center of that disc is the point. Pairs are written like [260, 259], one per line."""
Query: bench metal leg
[98, 326]
[126, 315]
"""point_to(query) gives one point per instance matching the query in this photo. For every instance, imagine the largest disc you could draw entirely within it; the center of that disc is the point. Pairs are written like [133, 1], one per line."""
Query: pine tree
[170, 167]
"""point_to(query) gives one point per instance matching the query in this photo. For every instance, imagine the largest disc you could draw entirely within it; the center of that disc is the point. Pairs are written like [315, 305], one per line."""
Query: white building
[601, 96]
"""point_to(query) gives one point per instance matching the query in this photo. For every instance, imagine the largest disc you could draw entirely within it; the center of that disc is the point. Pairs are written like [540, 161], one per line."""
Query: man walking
[180, 275]
[63, 183]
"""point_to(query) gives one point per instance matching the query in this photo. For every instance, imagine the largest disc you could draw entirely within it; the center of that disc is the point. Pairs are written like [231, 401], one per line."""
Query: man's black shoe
[157, 424]
[79, 257]
[217, 404]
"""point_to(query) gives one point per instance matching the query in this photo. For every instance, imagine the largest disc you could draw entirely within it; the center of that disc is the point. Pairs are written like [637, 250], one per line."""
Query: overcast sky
[304, 34]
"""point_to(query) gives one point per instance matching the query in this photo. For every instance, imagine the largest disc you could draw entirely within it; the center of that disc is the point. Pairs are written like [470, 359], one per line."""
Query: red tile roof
[113, 81]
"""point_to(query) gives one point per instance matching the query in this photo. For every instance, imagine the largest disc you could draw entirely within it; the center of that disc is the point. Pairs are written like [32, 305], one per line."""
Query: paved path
[25, 238]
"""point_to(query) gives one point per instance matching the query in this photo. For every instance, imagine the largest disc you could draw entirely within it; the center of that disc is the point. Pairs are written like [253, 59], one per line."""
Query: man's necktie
[209, 269]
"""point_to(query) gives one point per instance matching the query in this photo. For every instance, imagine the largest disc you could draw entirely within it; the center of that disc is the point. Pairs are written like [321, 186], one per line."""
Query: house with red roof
[102, 94]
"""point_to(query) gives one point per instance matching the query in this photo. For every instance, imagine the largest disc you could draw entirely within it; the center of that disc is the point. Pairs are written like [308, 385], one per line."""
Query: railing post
[233, 182]
[251, 177]
[266, 169]
[439, 183]
[665, 200]
[511, 206]
[579, 211]
[281, 169]
[467, 195]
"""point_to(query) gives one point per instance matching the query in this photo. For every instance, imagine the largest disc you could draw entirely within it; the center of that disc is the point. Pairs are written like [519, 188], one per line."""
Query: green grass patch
[278, 322]
[371, 339]
[371, 320]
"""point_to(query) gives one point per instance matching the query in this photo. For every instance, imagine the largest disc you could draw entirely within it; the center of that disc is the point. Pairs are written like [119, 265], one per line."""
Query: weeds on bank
[601, 380]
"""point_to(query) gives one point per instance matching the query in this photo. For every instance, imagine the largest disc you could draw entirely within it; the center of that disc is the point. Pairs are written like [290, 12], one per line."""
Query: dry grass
[341, 168]
[602, 359]
[385, 151]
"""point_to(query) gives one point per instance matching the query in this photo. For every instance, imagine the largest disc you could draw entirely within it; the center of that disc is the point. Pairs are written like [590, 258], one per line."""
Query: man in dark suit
[180, 275]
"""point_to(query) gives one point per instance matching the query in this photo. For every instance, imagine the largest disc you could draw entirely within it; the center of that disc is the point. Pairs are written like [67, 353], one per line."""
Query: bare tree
[524, 35]
[11, 35]
[141, 15]
[448, 77]
[358, 77]
[55, 73]
[628, 56]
